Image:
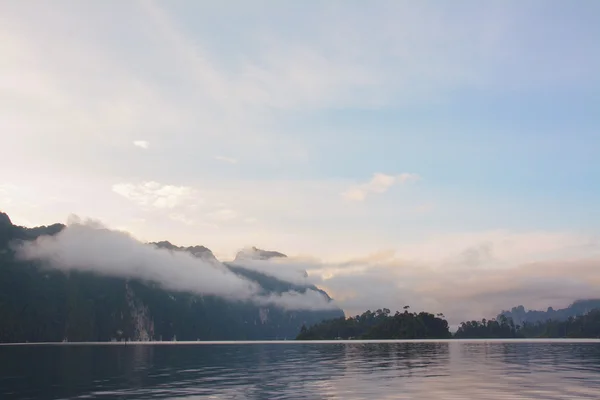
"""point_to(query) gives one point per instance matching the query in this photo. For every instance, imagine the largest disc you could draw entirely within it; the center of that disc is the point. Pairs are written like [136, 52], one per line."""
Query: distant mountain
[198, 251]
[5, 221]
[257, 254]
[586, 325]
[38, 304]
[580, 307]
[10, 232]
[253, 254]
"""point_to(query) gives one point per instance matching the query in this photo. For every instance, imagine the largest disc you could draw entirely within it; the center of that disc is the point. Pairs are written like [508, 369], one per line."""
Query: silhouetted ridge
[258, 254]
[580, 307]
[41, 304]
[5, 220]
[198, 251]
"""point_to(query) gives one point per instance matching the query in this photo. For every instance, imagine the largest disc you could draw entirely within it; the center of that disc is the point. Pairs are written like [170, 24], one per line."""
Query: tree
[380, 325]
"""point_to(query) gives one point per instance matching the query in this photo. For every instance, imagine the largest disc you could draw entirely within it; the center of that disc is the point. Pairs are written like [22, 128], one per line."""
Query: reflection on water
[338, 370]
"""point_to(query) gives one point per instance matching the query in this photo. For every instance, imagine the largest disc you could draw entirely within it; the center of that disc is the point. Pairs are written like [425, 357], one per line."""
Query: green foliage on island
[491, 329]
[380, 325]
[582, 326]
[38, 304]
[406, 325]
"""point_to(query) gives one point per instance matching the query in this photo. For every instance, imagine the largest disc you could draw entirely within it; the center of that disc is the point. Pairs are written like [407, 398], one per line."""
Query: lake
[516, 369]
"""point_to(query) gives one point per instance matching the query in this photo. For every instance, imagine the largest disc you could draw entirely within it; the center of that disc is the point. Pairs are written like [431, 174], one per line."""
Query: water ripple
[339, 370]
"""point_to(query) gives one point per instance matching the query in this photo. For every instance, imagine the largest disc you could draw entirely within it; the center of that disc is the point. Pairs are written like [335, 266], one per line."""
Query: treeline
[501, 328]
[406, 325]
[583, 326]
[380, 324]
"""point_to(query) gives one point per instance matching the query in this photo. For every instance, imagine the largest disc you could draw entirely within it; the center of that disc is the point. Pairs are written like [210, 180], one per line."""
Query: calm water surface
[338, 370]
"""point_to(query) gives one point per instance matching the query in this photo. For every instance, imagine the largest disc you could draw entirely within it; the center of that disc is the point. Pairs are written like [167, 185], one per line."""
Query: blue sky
[231, 124]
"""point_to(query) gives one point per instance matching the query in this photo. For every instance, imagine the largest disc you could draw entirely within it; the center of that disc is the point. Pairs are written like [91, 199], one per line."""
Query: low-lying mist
[535, 271]
[461, 288]
[89, 246]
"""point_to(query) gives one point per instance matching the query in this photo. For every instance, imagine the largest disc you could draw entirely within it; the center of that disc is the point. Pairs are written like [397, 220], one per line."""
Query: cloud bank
[466, 277]
[288, 270]
[89, 246]
[497, 271]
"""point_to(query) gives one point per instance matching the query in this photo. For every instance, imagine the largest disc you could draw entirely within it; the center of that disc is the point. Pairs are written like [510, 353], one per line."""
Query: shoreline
[294, 342]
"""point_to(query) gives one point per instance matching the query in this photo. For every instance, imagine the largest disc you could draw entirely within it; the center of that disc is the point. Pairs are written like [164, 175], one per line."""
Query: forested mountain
[41, 304]
[380, 325]
[582, 326]
[201, 252]
[519, 315]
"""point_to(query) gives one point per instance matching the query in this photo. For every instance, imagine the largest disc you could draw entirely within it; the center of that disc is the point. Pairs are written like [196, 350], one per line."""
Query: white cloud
[464, 275]
[232, 96]
[229, 160]
[477, 276]
[287, 269]
[379, 183]
[155, 195]
[89, 246]
[141, 144]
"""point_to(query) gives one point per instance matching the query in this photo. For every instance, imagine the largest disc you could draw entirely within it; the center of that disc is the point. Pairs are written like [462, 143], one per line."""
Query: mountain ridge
[40, 304]
[578, 308]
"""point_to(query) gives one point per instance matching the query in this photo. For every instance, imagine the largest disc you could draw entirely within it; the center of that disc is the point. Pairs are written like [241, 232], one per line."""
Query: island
[380, 324]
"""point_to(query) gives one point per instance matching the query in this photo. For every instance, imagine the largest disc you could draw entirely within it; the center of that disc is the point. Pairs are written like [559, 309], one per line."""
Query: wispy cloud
[229, 160]
[379, 183]
[155, 195]
[89, 246]
[476, 276]
[141, 144]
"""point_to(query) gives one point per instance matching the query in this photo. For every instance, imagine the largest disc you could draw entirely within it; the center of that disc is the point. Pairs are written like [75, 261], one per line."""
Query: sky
[431, 151]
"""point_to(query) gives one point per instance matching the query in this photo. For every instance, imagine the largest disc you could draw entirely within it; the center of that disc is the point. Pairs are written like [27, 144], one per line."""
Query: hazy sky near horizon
[459, 136]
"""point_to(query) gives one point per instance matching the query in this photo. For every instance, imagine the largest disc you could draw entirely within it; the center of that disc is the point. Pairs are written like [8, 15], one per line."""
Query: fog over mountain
[85, 282]
[89, 246]
[460, 292]
[478, 282]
